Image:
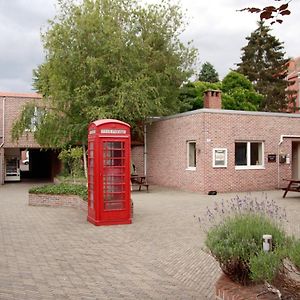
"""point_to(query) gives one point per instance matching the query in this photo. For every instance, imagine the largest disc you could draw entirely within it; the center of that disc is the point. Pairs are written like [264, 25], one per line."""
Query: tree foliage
[238, 93]
[263, 62]
[271, 12]
[208, 73]
[109, 59]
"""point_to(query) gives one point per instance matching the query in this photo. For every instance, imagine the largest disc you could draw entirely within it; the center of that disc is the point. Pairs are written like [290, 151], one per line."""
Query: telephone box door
[115, 191]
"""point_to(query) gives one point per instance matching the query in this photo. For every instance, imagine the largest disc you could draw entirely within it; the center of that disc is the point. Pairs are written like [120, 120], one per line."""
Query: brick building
[211, 149]
[22, 159]
[294, 76]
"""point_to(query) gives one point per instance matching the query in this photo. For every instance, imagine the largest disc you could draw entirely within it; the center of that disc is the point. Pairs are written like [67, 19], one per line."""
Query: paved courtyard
[54, 253]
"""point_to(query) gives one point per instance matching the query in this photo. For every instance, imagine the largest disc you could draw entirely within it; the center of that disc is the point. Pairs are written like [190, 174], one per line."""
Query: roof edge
[20, 95]
[224, 111]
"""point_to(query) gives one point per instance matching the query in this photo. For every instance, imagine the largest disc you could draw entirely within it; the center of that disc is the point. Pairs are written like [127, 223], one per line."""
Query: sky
[215, 28]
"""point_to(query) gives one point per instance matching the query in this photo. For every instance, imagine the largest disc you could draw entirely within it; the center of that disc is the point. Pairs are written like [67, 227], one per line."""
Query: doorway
[296, 160]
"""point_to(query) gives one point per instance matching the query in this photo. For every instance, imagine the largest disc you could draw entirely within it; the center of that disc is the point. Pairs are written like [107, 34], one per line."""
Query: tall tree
[108, 59]
[263, 62]
[208, 73]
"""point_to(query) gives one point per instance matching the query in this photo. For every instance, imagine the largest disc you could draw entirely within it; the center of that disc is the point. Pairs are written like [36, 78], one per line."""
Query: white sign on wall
[219, 158]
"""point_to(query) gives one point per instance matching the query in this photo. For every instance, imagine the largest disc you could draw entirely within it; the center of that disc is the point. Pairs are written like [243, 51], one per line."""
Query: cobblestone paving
[54, 253]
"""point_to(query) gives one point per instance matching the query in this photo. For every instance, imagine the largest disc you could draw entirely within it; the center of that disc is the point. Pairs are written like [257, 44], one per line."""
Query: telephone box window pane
[241, 154]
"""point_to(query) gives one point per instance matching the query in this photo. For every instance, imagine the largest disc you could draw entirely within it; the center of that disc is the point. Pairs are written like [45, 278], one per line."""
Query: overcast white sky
[218, 32]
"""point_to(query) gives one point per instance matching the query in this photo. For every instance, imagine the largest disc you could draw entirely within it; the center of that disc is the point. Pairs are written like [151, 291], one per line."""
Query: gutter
[145, 150]
[3, 139]
[3, 122]
[282, 137]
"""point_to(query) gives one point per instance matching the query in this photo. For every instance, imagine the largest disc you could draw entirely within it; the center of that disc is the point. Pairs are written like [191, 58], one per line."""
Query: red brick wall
[167, 150]
[167, 153]
[137, 157]
[13, 107]
[57, 200]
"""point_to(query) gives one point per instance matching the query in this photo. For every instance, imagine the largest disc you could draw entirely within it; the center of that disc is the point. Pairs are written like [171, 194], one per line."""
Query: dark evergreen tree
[208, 73]
[263, 62]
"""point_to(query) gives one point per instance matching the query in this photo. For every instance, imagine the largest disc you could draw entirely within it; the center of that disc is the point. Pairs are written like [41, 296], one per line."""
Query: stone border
[226, 289]
[57, 200]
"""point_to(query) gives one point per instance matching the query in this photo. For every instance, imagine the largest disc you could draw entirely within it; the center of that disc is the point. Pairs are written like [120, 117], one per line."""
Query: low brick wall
[57, 200]
[226, 289]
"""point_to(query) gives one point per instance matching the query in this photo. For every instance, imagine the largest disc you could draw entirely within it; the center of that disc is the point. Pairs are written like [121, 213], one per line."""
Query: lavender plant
[219, 213]
[234, 231]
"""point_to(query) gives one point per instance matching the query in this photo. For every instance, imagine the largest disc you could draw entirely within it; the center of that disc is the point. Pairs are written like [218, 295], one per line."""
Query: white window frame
[214, 151]
[249, 166]
[189, 167]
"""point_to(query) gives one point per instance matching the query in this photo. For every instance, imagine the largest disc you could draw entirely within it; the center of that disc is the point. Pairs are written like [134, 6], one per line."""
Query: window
[249, 155]
[191, 155]
[35, 119]
[219, 158]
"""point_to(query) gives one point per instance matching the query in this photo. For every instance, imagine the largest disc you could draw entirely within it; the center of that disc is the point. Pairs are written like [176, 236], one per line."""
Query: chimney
[212, 99]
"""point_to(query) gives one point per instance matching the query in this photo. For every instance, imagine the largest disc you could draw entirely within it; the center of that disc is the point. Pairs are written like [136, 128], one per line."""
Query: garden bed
[226, 289]
[66, 195]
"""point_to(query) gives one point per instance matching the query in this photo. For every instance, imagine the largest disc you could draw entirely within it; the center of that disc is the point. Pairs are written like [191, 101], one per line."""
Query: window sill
[250, 168]
[191, 169]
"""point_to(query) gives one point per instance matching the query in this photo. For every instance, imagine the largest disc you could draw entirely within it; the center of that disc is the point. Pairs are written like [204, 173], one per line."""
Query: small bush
[238, 239]
[61, 189]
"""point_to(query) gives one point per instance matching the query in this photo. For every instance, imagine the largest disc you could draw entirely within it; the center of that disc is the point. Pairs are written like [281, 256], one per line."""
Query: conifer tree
[208, 73]
[263, 62]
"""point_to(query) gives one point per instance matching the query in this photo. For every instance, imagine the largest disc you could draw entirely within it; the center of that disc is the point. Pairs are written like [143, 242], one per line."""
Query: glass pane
[113, 176]
[192, 154]
[241, 154]
[256, 154]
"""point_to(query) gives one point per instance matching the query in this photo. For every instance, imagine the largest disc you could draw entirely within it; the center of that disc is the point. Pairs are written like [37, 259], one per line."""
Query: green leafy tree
[108, 59]
[264, 64]
[239, 93]
[208, 73]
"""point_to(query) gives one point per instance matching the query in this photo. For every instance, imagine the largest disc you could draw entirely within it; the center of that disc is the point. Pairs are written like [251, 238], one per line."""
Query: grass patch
[62, 189]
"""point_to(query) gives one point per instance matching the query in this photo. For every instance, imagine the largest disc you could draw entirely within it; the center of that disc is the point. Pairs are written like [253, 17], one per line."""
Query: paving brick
[54, 253]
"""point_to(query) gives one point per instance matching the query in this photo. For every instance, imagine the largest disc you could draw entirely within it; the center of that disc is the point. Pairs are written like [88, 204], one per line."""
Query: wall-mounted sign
[271, 158]
[219, 158]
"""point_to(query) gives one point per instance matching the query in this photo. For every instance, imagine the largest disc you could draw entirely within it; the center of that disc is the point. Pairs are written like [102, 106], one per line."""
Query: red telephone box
[109, 173]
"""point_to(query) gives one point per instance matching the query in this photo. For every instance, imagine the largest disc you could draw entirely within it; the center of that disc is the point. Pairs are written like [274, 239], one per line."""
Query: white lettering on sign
[93, 131]
[114, 131]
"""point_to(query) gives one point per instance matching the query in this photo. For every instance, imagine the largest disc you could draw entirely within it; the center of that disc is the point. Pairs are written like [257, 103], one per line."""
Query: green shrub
[294, 254]
[61, 189]
[238, 239]
[265, 266]
[72, 160]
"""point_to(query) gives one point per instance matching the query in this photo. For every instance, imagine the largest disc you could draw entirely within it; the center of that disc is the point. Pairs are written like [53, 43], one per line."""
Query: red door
[115, 188]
